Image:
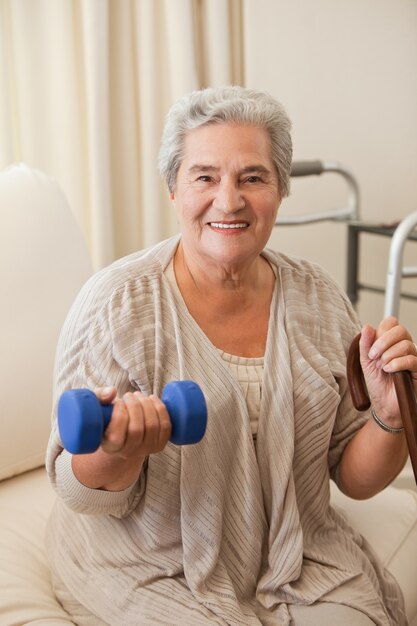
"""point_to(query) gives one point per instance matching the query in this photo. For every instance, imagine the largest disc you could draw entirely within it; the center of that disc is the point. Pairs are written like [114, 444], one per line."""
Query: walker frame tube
[342, 214]
[396, 270]
[350, 214]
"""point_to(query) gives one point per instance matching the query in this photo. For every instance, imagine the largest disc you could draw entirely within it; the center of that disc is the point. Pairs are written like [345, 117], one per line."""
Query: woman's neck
[227, 280]
[233, 314]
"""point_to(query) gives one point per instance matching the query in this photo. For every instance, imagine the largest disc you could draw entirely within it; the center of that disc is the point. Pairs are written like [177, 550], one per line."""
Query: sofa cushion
[388, 521]
[26, 595]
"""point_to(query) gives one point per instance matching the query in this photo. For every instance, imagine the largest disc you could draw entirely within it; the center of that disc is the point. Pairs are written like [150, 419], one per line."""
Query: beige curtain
[85, 87]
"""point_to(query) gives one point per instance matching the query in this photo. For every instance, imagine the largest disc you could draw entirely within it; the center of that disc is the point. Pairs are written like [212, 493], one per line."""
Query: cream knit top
[223, 531]
[249, 373]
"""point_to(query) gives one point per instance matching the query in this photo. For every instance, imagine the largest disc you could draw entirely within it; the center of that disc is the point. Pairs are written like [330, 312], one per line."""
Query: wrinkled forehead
[213, 142]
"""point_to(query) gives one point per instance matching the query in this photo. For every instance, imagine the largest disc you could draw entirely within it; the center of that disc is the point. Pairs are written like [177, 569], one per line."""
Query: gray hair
[217, 105]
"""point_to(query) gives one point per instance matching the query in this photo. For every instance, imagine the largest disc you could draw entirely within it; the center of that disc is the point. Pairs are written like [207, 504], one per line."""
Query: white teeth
[219, 225]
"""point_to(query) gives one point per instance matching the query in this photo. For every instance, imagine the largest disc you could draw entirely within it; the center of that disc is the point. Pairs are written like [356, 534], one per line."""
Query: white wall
[346, 70]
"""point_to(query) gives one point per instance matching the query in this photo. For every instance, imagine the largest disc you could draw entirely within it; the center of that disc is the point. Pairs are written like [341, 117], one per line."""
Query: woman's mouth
[228, 225]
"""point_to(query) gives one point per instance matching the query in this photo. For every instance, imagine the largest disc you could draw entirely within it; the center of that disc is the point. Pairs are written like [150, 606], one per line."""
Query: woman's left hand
[387, 349]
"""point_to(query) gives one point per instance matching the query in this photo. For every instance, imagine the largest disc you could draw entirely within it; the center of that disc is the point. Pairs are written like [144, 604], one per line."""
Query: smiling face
[226, 194]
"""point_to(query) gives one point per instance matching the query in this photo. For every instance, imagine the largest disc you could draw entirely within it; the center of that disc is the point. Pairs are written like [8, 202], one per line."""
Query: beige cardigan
[215, 532]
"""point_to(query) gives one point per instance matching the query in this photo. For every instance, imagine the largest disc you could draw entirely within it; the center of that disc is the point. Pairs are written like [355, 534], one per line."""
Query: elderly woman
[237, 529]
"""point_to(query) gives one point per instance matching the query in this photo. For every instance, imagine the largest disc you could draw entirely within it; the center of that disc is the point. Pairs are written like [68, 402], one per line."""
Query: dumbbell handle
[82, 419]
[405, 395]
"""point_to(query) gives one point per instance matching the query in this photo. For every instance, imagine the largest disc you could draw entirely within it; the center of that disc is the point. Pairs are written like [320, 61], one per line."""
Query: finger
[106, 395]
[116, 432]
[386, 324]
[367, 339]
[136, 425]
[165, 425]
[388, 333]
[151, 424]
[401, 356]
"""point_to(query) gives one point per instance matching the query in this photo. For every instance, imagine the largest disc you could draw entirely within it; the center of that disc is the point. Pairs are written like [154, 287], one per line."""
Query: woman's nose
[228, 197]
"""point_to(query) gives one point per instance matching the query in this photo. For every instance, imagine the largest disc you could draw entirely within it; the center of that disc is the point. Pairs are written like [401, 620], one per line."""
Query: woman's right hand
[139, 426]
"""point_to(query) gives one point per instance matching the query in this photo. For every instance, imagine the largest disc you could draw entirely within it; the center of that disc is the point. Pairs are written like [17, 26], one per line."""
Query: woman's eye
[204, 178]
[253, 179]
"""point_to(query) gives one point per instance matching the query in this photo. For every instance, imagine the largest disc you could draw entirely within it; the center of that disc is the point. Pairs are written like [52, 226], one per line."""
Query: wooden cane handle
[405, 395]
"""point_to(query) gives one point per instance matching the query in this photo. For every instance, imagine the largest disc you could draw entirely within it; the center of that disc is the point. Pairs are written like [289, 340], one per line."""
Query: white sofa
[44, 261]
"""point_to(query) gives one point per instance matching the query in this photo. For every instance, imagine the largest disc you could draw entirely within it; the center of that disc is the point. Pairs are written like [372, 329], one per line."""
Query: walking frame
[400, 233]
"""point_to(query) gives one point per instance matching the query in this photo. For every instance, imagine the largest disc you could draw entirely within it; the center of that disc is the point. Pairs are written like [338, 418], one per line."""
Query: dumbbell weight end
[187, 411]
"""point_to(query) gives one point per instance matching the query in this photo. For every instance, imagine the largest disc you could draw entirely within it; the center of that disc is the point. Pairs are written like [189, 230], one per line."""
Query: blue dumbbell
[82, 419]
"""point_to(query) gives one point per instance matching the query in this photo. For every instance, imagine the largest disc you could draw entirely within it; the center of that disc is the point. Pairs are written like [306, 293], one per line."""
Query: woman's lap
[319, 614]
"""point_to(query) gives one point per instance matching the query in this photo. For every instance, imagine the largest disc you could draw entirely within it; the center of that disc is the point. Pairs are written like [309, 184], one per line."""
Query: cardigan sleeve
[88, 501]
[87, 356]
[348, 420]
